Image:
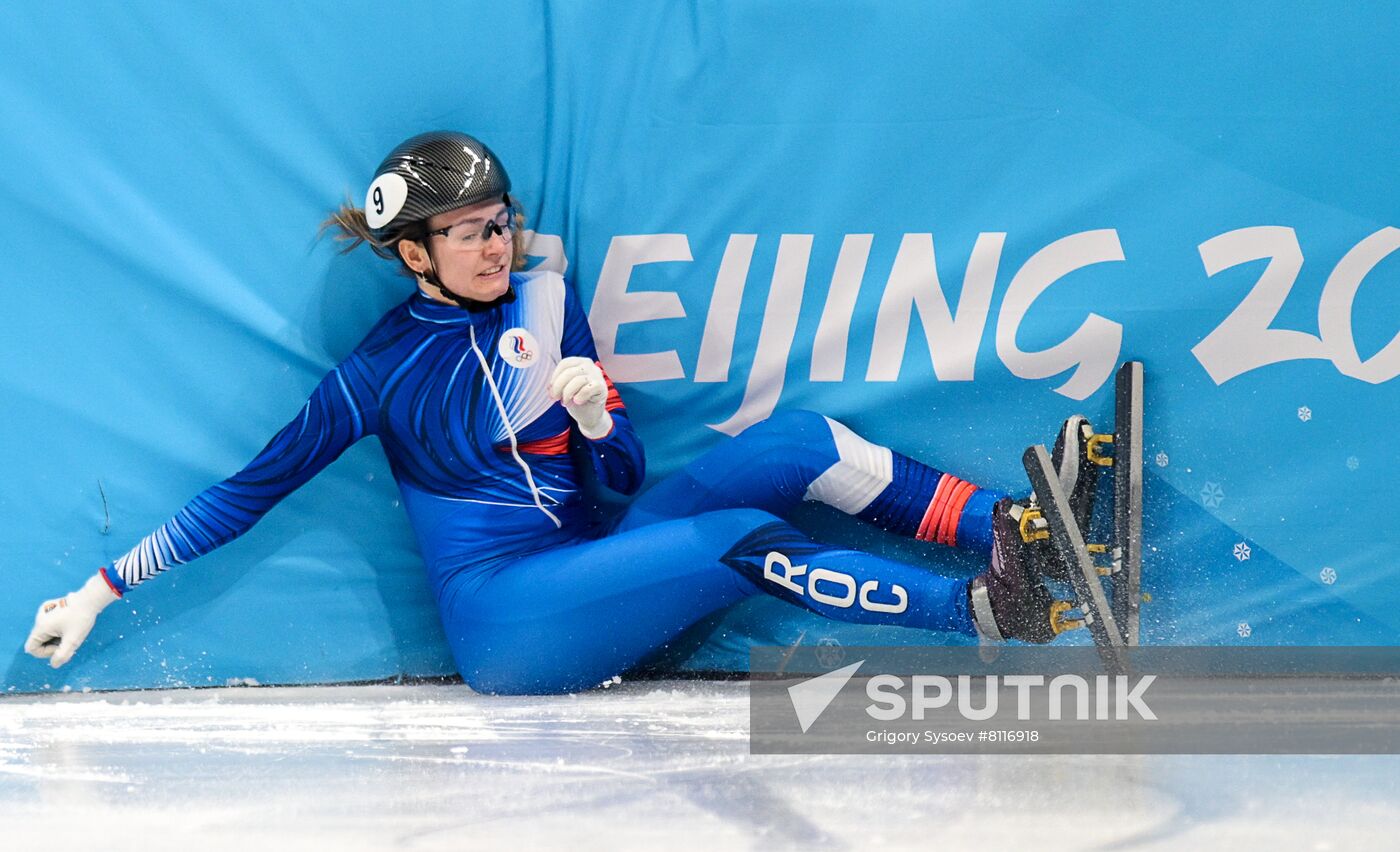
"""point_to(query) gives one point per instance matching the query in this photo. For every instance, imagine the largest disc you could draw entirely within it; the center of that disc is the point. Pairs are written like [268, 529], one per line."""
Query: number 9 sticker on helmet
[432, 173]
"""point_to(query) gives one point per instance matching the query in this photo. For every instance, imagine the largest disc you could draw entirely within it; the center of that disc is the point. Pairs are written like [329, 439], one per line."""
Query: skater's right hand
[62, 624]
[580, 385]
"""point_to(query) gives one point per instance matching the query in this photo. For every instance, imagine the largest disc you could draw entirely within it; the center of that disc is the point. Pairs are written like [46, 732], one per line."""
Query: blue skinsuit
[534, 595]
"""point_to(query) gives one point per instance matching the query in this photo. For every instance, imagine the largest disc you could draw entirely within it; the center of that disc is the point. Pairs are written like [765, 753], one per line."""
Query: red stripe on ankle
[940, 521]
[948, 534]
[941, 531]
[928, 527]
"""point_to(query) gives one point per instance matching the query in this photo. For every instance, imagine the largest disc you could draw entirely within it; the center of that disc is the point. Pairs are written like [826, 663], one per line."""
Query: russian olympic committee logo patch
[519, 348]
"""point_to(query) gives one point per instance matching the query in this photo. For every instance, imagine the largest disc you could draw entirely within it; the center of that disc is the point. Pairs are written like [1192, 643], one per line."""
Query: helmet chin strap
[473, 305]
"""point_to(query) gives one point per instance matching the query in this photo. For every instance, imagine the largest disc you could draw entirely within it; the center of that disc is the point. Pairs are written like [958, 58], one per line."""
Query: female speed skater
[478, 384]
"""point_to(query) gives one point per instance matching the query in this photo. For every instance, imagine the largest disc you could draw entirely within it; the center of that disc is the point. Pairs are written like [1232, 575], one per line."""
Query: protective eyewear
[470, 237]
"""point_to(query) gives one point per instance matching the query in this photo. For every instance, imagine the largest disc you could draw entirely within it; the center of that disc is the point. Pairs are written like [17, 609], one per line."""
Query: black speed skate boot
[1076, 461]
[1008, 599]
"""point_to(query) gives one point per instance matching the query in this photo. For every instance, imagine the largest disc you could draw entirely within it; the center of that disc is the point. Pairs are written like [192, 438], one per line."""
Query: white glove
[61, 625]
[580, 385]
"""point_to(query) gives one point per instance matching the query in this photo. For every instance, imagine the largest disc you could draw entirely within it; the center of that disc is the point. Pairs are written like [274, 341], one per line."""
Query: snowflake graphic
[1211, 495]
[1305, 414]
[1353, 462]
[1244, 630]
[1242, 552]
[1162, 460]
[829, 652]
[1327, 575]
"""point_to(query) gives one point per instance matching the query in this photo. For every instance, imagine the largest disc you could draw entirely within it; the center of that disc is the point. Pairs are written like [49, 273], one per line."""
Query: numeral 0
[1246, 341]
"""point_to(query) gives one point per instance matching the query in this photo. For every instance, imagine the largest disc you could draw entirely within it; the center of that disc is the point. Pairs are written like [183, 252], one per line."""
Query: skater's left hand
[580, 385]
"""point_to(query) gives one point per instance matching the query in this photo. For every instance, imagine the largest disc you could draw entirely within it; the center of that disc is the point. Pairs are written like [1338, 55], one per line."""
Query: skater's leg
[571, 618]
[800, 455]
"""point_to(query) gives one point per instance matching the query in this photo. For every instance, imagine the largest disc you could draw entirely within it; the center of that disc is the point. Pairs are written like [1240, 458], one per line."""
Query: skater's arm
[340, 411]
[611, 441]
[618, 457]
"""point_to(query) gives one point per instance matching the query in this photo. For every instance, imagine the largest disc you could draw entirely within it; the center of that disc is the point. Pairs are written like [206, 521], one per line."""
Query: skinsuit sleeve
[618, 457]
[341, 410]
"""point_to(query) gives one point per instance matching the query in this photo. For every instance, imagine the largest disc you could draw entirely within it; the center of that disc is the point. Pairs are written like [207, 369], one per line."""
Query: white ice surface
[643, 765]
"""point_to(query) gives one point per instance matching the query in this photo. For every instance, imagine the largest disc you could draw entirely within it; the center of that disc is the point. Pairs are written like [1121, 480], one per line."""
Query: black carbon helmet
[429, 174]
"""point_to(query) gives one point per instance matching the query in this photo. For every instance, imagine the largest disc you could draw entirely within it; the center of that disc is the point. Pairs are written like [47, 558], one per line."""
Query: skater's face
[470, 249]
